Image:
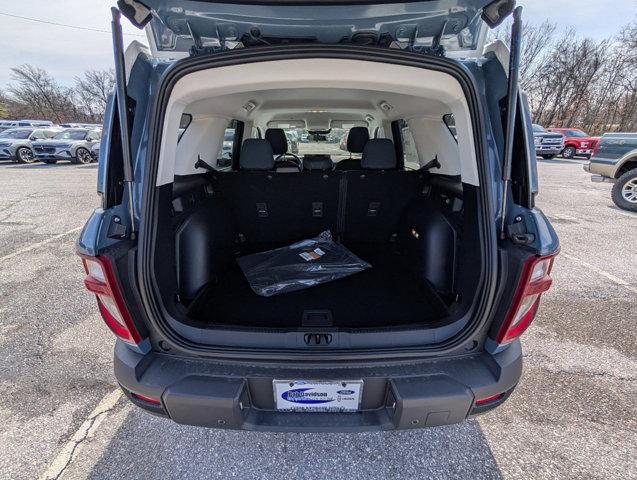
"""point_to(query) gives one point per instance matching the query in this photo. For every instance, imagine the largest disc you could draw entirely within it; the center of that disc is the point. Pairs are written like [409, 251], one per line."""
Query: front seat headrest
[317, 162]
[256, 154]
[278, 140]
[379, 154]
[357, 137]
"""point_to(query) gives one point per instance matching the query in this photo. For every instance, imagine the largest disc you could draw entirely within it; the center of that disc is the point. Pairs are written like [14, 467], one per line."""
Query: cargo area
[407, 225]
[381, 156]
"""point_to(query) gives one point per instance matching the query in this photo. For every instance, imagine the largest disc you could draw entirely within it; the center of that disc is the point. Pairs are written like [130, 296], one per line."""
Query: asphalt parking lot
[61, 416]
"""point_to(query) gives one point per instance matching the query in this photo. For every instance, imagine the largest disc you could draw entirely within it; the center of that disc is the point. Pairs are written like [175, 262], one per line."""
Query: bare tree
[92, 91]
[578, 82]
[34, 93]
[36, 88]
[4, 108]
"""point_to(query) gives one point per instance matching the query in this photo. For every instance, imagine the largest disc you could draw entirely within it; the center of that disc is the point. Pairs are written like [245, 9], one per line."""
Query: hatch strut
[514, 71]
[122, 109]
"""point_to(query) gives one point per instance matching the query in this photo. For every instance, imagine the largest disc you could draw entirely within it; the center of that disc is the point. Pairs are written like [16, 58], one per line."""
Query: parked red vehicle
[576, 142]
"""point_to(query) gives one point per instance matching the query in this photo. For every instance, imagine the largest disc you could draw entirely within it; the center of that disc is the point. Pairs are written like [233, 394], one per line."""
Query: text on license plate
[317, 396]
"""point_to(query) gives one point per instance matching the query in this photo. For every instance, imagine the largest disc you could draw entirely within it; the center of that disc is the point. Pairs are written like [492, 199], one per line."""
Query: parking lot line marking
[33, 246]
[619, 281]
[86, 430]
[628, 215]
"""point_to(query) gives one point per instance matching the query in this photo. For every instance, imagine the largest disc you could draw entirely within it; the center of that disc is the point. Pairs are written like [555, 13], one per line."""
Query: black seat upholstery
[275, 209]
[379, 154]
[278, 140]
[357, 138]
[256, 154]
[272, 209]
[377, 195]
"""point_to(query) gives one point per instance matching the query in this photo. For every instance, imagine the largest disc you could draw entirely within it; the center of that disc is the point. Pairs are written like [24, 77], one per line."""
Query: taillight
[146, 398]
[100, 280]
[534, 281]
[489, 399]
[595, 147]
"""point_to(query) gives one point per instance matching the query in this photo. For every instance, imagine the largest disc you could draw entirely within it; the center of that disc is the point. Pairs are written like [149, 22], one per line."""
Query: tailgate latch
[518, 233]
[316, 339]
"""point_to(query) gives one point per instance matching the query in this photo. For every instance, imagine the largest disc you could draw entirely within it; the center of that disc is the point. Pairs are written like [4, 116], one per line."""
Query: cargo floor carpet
[385, 295]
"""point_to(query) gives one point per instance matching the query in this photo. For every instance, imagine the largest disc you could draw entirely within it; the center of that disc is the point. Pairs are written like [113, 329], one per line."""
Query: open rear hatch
[454, 28]
[428, 270]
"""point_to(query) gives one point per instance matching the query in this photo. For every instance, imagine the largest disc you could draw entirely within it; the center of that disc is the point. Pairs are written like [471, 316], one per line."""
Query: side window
[224, 156]
[450, 121]
[184, 123]
[37, 135]
[410, 154]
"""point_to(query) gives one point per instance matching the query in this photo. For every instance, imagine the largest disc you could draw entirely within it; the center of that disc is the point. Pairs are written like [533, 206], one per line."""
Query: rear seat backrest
[378, 195]
[256, 154]
[379, 154]
[274, 209]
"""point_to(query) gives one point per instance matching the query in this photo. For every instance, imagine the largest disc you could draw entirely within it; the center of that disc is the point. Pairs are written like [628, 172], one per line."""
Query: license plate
[317, 396]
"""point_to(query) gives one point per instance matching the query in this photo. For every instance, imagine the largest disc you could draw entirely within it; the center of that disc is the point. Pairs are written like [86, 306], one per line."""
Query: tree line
[571, 81]
[574, 81]
[34, 93]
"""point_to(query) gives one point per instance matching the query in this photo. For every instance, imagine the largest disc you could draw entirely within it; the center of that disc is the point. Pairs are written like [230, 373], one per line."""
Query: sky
[66, 52]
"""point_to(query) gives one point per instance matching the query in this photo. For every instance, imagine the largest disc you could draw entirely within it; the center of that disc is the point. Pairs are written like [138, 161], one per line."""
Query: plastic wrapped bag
[301, 265]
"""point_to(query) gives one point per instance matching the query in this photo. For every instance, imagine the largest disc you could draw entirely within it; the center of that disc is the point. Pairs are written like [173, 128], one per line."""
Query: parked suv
[7, 124]
[615, 161]
[16, 143]
[242, 297]
[35, 123]
[73, 144]
[547, 144]
[576, 142]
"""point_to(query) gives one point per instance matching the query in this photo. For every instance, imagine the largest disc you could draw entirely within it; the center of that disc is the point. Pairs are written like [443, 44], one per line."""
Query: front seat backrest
[379, 154]
[256, 154]
[278, 140]
[356, 139]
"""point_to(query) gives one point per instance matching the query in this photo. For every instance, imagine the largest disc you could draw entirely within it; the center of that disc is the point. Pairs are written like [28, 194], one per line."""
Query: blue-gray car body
[204, 381]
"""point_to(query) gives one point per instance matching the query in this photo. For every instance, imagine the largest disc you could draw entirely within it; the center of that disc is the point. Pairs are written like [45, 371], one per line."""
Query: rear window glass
[184, 123]
[332, 142]
[17, 134]
[450, 121]
[410, 154]
[224, 156]
[71, 135]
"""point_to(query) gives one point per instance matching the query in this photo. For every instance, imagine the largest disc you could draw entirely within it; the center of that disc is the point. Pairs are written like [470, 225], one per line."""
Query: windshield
[331, 142]
[576, 133]
[538, 128]
[71, 135]
[17, 134]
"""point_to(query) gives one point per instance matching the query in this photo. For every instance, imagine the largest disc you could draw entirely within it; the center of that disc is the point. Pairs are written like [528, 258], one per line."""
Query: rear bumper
[240, 396]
